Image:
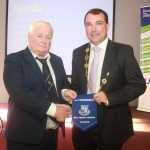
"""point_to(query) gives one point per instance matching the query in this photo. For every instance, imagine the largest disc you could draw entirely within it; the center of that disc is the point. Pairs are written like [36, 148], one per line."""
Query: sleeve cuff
[107, 103]
[52, 110]
[62, 93]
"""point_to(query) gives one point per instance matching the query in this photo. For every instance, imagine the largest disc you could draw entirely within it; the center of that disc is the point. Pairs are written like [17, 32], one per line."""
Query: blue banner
[84, 112]
[145, 16]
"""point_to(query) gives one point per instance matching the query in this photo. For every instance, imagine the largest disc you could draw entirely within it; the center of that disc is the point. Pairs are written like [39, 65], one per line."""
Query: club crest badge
[84, 111]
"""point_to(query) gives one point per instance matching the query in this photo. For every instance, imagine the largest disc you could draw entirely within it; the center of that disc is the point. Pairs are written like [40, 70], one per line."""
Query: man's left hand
[70, 95]
[100, 97]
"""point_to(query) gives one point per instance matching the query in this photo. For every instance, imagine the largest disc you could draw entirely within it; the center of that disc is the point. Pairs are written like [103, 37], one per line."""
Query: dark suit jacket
[29, 99]
[124, 84]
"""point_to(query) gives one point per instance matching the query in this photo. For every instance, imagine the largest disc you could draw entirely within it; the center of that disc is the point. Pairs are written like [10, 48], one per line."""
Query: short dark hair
[96, 11]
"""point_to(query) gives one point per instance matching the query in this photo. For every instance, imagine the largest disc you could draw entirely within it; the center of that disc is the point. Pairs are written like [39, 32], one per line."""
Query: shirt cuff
[107, 103]
[62, 93]
[52, 110]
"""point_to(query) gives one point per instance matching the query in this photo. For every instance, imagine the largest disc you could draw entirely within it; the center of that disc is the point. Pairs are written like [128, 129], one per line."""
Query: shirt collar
[101, 45]
[35, 56]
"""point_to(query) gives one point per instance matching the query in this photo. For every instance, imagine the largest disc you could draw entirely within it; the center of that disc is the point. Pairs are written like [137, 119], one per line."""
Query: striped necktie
[49, 81]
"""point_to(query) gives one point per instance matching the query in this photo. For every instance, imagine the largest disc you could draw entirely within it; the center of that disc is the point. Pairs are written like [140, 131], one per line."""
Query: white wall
[3, 93]
[127, 30]
[127, 25]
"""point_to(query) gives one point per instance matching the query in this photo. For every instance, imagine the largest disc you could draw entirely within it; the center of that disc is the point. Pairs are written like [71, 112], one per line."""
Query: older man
[34, 79]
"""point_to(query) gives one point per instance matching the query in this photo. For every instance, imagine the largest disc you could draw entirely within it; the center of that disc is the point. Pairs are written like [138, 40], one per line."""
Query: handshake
[62, 110]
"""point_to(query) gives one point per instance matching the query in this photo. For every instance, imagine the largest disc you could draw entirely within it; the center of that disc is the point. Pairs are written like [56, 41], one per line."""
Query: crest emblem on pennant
[84, 111]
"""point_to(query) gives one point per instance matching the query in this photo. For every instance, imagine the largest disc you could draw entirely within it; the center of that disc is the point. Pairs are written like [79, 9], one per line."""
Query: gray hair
[37, 23]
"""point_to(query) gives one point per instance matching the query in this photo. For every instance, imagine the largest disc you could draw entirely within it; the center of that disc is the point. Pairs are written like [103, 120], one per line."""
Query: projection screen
[66, 18]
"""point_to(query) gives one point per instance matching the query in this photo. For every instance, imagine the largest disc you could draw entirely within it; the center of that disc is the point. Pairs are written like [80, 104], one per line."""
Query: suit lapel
[109, 56]
[28, 56]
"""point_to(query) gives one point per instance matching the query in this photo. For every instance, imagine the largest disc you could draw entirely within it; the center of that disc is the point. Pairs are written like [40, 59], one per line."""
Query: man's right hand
[62, 112]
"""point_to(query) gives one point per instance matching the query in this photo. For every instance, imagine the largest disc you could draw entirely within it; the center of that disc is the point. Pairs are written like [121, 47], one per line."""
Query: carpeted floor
[140, 140]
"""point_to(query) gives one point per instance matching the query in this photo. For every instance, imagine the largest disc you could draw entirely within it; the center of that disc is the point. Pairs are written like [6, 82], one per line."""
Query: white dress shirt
[52, 109]
[102, 51]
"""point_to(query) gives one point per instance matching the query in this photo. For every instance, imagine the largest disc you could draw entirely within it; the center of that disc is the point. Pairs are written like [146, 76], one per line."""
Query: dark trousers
[91, 140]
[49, 142]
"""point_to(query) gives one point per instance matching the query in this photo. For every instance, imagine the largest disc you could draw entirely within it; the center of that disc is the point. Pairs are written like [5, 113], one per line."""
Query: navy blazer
[29, 98]
[124, 84]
